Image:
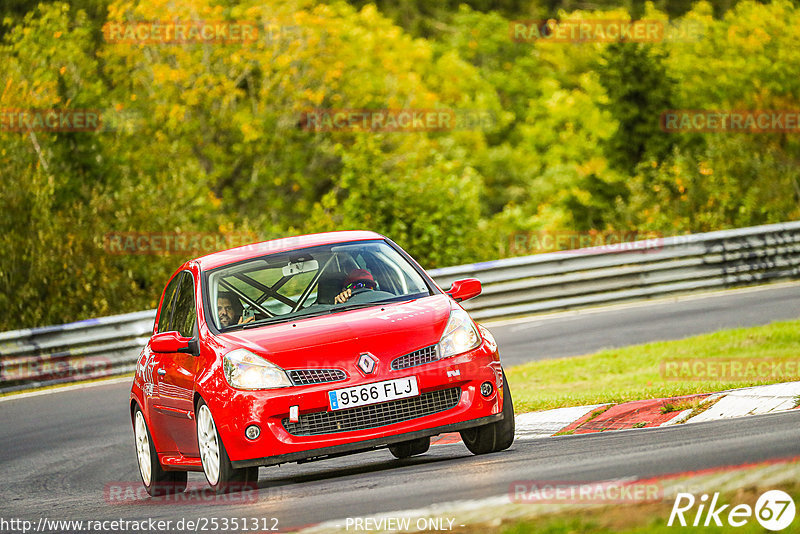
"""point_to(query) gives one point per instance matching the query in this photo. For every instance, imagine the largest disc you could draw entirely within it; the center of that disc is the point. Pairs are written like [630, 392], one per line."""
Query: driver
[358, 280]
[229, 309]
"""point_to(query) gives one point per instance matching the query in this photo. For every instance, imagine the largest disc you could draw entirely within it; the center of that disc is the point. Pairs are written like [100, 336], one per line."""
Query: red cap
[358, 274]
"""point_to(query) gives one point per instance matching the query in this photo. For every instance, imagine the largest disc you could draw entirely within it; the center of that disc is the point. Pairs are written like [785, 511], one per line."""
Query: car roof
[225, 257]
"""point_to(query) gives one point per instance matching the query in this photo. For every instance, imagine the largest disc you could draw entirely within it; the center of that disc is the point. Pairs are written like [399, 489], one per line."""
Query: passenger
[229, 310]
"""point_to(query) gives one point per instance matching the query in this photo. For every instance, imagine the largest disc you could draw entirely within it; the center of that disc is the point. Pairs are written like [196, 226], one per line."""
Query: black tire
[493, 437]
[156, 480]
[228, 478]
[410, 448]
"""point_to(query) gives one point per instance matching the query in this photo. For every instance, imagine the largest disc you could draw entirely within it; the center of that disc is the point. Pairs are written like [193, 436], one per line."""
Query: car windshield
[307, 282]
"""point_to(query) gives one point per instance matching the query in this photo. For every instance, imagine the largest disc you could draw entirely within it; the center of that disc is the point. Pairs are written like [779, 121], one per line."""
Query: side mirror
[173, 342]
[464, 289]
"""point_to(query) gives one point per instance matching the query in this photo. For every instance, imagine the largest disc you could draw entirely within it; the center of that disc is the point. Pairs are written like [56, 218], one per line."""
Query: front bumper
[364, 446]
[275, 445]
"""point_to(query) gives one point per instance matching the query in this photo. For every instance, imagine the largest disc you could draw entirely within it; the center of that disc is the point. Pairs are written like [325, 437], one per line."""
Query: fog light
[486, 389]
[252, 432]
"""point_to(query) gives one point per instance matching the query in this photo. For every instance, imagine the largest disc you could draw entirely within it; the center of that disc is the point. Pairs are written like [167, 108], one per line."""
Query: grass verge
[636, 372]
[645, 518]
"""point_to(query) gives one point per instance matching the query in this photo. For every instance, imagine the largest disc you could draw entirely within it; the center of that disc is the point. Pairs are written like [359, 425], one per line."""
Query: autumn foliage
[202, 106]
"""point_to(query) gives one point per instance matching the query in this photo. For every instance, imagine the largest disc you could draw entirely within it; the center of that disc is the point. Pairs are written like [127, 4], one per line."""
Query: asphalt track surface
[62, 453]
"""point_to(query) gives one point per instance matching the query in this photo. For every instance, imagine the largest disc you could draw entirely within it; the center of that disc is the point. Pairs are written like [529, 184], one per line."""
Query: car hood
[337, 340]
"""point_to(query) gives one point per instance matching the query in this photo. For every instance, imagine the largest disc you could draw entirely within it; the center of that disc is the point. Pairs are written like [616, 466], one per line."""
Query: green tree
[639, 89]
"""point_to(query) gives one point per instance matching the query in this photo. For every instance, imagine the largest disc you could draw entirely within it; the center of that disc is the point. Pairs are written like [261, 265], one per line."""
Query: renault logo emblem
[367, 363]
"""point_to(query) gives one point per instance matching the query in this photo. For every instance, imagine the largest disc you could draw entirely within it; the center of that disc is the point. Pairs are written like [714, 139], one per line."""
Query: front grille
[374, 415]
[303, 377]
[418, 357]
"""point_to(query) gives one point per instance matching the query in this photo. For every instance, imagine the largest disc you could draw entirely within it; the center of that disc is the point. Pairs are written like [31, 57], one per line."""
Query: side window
[166, 304]
[185, 314]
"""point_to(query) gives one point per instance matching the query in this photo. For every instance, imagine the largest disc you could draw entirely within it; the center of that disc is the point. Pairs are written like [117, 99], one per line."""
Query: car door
[150, 378]
[174, 373]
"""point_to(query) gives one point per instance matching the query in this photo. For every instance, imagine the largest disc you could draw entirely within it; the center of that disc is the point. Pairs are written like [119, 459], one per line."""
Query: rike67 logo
[774, 510]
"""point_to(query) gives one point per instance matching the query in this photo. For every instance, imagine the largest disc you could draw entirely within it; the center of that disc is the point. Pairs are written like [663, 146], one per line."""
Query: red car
[305, 348]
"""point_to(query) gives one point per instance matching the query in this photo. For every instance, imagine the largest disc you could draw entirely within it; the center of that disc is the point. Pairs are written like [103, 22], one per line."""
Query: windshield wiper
[263, 322]
[357, 306]
[284, 319]
[390, 300]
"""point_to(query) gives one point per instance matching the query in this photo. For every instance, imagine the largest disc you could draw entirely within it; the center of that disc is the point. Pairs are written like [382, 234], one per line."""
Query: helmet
[359, 276]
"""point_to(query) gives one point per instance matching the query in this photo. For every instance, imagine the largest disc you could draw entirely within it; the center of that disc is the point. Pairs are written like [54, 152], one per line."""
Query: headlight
[485, 334]
[245, 370]
[460, 335]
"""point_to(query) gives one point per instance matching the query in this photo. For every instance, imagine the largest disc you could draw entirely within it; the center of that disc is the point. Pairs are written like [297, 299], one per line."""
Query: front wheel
[157, 481]
[493, 437]
[220, 473]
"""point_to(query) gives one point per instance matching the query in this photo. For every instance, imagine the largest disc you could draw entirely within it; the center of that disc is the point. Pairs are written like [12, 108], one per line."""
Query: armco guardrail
[656, 267]
[76, 351]
[514, 286]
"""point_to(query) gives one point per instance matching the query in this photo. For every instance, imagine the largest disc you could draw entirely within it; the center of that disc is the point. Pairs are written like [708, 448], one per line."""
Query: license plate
[399, 388]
